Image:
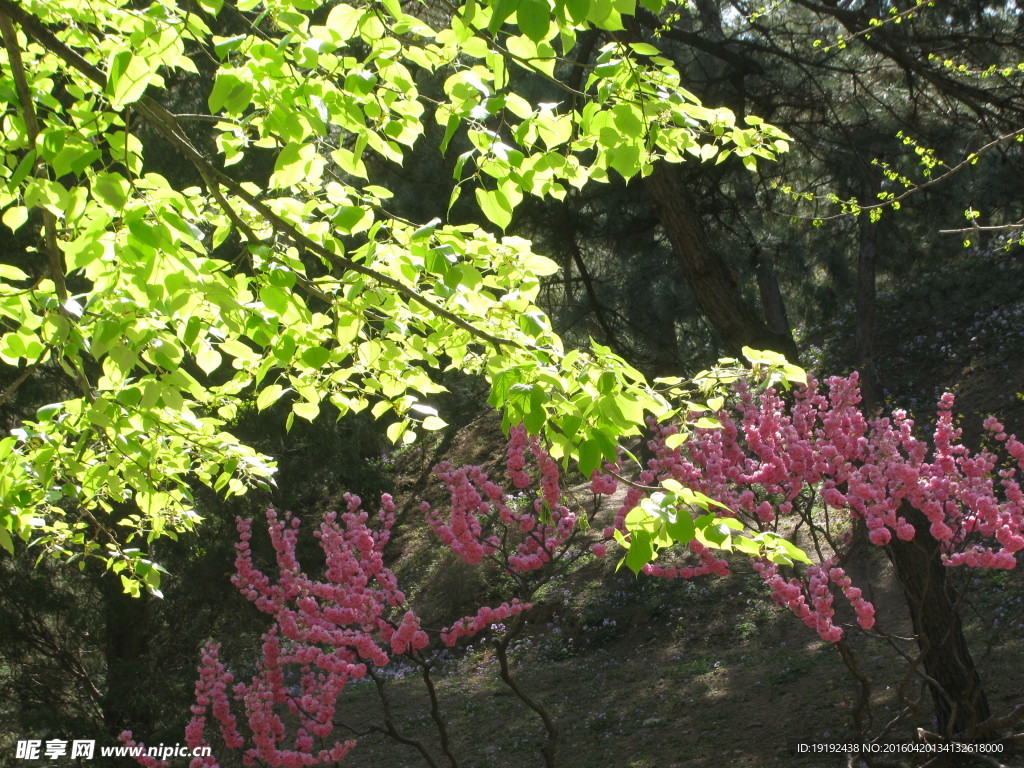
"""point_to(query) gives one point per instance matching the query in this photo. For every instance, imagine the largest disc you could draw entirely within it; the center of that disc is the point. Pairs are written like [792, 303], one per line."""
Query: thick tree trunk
[126, 699]
[709, 277]
[771, 294]
[864, 336]
[953, 680]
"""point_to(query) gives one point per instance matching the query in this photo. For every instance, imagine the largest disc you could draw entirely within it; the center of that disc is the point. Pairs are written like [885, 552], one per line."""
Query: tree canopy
[143, 314]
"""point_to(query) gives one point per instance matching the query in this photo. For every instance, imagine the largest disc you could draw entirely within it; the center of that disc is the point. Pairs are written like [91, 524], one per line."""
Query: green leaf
[10, 272]
[681, 528]
[747, 546]
[534, 17]
[628, 120]
[776, 543]
[111, 189]
[500, 11]
[352, 219]
[644, 49]
[307, 411]
[208, 359]
[294, 164]
[609, 447]
[440, 260]
[127, 78]
[625, 159]
[534, 419]
[13, 218]
[316, 357]
[5, 540]
[396, 431]
[578, 9]
[674, 441]
[274, 299]
[230, 93]
[712, 532]
[532, 323]
[495, 206]
[463, 274]
[268, 396]
[589, 456]
[424, 232]
[641, 550]
[225, 45]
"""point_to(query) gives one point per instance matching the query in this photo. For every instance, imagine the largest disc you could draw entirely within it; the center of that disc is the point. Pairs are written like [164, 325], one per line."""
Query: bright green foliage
[665, 519]
[164, 313]
[674, 514]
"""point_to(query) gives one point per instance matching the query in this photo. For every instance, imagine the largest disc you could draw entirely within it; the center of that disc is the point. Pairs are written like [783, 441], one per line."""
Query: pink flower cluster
[473, 497]
[211, 690]
[709, 564]
[325, 633]
[330, 631]
[865, 611]
[482, 521]
[603, 484]
[407, 637]
[811, 599]
[485, 617]
[776, 457]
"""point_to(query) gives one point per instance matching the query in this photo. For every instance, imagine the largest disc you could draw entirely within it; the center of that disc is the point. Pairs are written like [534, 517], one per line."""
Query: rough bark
[126, 699]
[771, 294]
[953, 681]
[762, 261]
[864, 335]
[710, 279]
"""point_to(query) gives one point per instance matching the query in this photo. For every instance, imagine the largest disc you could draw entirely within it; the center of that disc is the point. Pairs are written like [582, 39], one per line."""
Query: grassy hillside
[650, 673]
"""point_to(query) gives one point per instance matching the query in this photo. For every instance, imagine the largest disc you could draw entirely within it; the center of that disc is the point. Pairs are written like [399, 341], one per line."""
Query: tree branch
[160, 119]
[501, 647]
[389, 721]
[55, 261]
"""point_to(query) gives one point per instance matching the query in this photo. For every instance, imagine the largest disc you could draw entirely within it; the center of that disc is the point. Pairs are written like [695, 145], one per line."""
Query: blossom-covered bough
[812, 465]
[354, 622]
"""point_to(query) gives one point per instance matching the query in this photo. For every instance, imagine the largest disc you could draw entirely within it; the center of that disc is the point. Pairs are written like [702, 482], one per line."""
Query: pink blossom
[820, 445]
[484, 618]
[880, 537]
[479, 518]
[602, 484]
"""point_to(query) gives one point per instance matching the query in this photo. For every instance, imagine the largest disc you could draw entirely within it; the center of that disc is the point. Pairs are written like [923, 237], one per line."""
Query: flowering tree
[815, 467]
[353, 622]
